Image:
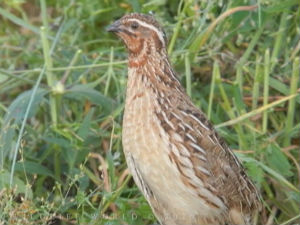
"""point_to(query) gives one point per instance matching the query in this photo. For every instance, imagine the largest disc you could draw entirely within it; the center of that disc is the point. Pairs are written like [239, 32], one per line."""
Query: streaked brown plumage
[185, 170]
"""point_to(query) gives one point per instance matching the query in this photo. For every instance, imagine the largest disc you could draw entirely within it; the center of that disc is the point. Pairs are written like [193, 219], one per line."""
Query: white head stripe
[158, 32]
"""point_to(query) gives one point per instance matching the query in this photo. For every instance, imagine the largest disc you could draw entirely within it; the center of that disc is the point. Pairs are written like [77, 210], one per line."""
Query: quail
[185, 170]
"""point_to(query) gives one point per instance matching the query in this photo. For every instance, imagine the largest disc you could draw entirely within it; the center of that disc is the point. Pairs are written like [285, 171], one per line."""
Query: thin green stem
[188, 75]
[73, 61]
[291, 220]
[292, 102]
[255, 90]
[226, 102]
[178, 27]
[15, 77]
[49, 75]
[268, 190]
[279, 39]
[256, 111]
[259, 12]
[44, 13]
[47, 58]
[109, 71]
[23, 126]
[216, 73]
[228, 108]
[239, 78]
[251, 46]
[57, 167]
[91, 175]
[80, 67]
[266, 89]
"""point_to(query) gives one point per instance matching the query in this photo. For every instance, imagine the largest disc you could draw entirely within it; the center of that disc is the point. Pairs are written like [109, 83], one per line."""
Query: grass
[62, 85]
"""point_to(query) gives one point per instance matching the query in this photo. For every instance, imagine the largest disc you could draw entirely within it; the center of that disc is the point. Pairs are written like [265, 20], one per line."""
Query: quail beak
[115, 27]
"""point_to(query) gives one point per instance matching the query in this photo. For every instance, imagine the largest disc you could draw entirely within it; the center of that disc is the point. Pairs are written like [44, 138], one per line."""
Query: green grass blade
[72, 63]
[110, 71]
[239, 78]
[50, 77]
[256, 111]
[257, 80]
[216, 73]
[279, 39]
[44, 14]
[292, 102]
[203, 37]
[23, 126]
[266, 89]
[178, 26]
[188, 75]
[18, 21]
[251, 46]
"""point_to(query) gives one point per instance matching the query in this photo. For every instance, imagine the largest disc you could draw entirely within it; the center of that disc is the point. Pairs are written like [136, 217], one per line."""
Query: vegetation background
[62, 85]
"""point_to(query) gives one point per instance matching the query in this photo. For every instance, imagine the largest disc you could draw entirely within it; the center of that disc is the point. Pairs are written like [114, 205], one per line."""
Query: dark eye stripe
[128, 33]
[134, 25]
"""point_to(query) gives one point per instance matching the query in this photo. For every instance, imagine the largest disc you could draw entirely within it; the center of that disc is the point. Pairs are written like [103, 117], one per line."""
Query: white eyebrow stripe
[158, 32]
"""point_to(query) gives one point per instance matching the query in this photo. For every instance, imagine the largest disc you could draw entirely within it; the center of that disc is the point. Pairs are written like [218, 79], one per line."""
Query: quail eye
[134, 26]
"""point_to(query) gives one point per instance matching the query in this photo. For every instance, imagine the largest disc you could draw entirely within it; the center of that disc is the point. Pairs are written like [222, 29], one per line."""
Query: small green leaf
[7, 142]
[83, 182]
[21, 187]
[63, 143]
[86, 123]
[281, 6]
[6, 14]
[255, 172]
[278, 161]
[81, 91]
[2, 78]
[270, 171]
[18, 107]
[33, 168]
